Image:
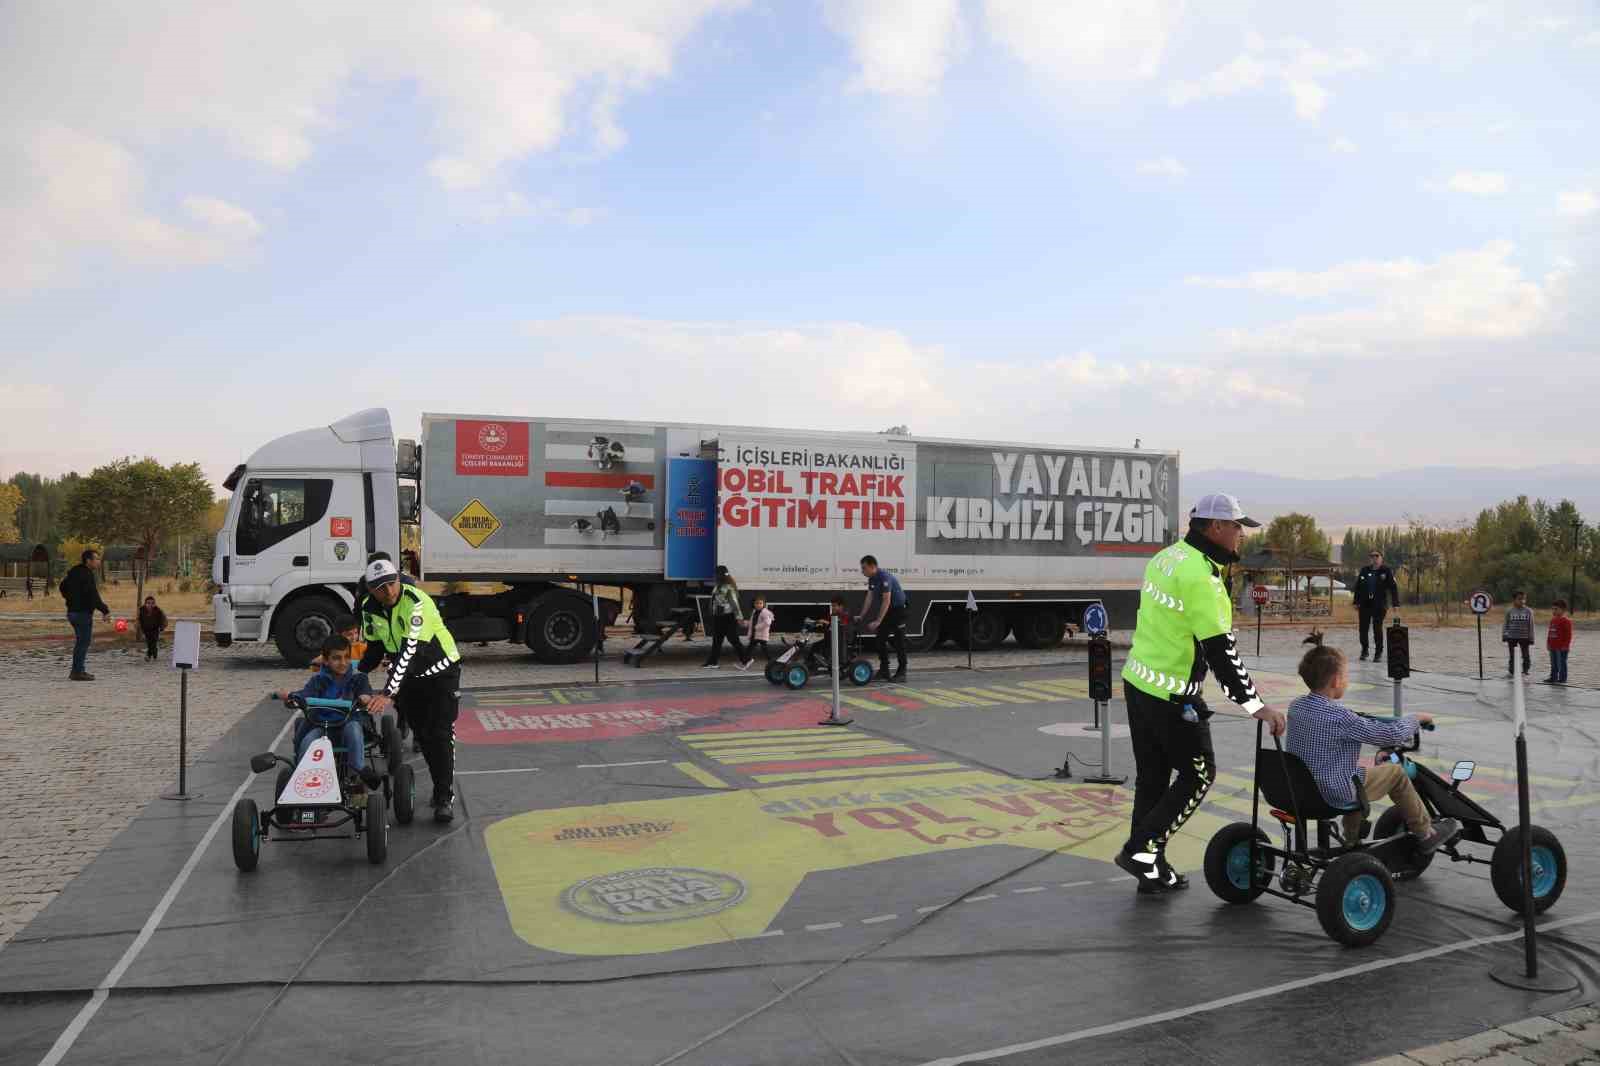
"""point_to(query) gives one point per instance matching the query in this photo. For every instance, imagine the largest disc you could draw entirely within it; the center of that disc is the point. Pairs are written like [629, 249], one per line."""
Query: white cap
[1220, 505]
[381, 572]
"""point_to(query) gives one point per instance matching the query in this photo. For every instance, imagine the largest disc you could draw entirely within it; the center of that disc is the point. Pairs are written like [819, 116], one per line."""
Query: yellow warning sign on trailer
[475, 523]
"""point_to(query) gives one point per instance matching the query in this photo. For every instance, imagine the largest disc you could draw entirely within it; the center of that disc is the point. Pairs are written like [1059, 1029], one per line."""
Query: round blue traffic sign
[1094, 619]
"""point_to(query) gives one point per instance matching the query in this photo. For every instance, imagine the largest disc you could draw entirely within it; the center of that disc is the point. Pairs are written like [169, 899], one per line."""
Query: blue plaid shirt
[1327, 737]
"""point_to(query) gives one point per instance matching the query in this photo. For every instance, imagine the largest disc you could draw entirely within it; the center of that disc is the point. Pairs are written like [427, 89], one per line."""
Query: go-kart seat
[1287, 784]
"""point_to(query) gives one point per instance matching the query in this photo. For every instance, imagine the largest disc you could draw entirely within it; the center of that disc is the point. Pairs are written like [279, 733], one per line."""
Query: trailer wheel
[988, 630]
[561, 629]
[302, 625]
[929, 638]
[1039, 627]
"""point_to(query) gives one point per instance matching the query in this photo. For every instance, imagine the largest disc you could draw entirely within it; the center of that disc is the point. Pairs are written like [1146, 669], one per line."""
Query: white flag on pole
[972, 601]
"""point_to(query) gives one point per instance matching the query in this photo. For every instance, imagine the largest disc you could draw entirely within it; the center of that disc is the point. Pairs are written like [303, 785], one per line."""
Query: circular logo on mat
[492, 437]
[658, 894]
[313, 784]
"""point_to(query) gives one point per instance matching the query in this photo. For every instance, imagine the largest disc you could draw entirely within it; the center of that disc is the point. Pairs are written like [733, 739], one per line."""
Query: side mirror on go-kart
[1463, 771]
[263, 762]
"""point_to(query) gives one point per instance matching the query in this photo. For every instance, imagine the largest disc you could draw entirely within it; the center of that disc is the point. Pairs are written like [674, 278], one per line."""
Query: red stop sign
[1261, 594]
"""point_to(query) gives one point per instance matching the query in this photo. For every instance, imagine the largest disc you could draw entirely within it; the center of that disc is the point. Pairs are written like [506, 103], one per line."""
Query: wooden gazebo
[1254, 568]
[26, 561]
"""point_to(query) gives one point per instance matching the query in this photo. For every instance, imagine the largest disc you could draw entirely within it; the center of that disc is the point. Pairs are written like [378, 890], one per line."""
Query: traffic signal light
[1399, 651]
[1100, 669]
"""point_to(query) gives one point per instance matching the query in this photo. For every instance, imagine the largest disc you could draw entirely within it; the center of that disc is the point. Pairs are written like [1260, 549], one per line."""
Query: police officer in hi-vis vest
[402, 623]
[1185, 623]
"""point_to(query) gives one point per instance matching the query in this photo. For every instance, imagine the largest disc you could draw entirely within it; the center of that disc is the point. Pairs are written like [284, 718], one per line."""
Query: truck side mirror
[410, 512]
[407, 459]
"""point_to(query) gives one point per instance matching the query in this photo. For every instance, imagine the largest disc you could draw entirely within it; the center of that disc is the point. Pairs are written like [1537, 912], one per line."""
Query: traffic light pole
[1399, 663]
[1100, 693]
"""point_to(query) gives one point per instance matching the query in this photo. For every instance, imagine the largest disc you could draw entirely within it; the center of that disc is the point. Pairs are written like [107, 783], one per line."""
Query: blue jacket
[326, 685]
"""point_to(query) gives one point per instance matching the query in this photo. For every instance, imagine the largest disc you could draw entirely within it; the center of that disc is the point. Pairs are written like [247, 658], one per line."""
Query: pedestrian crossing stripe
[751, 758]
[784, 755]
[864, 771]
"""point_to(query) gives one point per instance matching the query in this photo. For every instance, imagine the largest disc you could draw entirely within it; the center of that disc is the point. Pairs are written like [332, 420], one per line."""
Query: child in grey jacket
[1518, 632]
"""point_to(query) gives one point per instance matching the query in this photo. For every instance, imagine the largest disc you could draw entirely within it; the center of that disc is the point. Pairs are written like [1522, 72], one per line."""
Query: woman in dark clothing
[725, 618]
[152, 621]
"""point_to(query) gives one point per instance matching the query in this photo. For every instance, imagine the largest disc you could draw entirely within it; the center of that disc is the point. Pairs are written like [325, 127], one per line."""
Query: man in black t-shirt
[884, 613]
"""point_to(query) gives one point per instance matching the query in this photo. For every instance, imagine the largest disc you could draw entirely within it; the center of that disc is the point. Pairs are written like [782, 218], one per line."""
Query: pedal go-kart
[1350, 884]
[803, 658]
[321, 795]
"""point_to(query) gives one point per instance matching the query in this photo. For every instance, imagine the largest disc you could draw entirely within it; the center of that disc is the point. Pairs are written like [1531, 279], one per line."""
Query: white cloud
[502, 81]
[1479, 182]
[1578, 203]
[1589, 40]
[901, 47]
[1343, 146]
[71, 191]
[1086, 41]
[1404, 304]
[1164, 167]
[1292, 63]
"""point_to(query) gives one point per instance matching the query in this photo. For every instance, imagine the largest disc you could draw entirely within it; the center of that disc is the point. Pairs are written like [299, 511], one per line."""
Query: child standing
[152, 621]
[1558, 638]
[1518, 632]
[760, 628]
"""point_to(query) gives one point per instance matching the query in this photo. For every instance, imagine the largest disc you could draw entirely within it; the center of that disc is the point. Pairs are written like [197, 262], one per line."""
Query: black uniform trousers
[1164, 742]
[1372, 614]
[430, 705]
[892, 632]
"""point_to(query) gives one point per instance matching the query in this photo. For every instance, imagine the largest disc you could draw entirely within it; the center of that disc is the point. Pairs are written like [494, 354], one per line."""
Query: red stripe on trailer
[594, 479]
[1127, 549]
[828, 764]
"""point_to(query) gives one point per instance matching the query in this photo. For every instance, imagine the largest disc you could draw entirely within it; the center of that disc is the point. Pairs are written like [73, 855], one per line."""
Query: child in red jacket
[1558, 639]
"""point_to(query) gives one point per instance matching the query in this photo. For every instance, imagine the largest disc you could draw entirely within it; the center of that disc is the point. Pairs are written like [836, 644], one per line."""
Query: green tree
[138, 502]
[10, 502]
[1297, 536]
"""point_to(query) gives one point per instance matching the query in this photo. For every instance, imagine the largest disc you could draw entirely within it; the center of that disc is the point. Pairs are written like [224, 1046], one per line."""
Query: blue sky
[1301, 242]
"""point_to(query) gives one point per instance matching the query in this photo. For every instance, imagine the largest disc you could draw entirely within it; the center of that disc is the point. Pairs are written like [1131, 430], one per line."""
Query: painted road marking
[864, 771]
[781, 755]
[824, 926]
[102, 991]
[1254, 994]
[1030, 888]
[879, 918]
[518, 770]
[607, 765]
[690, 770]
[980, 899]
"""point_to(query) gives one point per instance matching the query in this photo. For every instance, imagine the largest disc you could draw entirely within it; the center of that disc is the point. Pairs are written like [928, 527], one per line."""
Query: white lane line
[1259, 993]
[1035, 888]
[604, 765]
[930, 910]
[1080, 884]
[824, 926]
[879, 918]
[517, 770]
[980, 899]
[769, 932]
[102, 991]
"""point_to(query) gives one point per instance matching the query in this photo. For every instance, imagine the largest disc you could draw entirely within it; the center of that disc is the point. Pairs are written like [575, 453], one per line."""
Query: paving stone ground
[1566, 1038]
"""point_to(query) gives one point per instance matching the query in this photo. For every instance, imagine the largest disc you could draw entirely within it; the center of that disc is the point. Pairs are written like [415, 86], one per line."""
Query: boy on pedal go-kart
[337, 681]
[1327, 736]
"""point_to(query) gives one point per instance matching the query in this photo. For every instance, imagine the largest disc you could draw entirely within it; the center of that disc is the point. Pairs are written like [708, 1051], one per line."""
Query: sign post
[833, 668]
[1527, 976]
[1260, 594]
[1480, 602]
[185, 657]
[599, 632]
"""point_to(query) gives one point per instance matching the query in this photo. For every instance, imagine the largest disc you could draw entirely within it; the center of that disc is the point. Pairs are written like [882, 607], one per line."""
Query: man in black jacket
[1375, 591]
[83, 600]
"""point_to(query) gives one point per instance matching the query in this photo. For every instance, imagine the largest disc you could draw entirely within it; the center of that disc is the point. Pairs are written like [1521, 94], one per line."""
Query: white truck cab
[307, 510]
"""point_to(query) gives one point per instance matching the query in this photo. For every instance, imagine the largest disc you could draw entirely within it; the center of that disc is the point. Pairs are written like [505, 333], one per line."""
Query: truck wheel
[300, 628]
[929, 637]
[561, 629]
[1549, 868]
[988, 630]
[1355, 900]
[1040, 627]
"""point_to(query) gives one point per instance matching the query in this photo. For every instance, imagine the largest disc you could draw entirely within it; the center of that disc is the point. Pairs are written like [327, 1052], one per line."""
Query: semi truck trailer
[547, 509]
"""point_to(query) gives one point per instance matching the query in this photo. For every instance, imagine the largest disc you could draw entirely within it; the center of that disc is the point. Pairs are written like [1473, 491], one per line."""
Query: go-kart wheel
[859, 672]
[1227, 863]
[377, 828]
[246, 835]
[394, 755]
[1549, 868]
[775, 672]
[1355, 899]
[1393, 823]
[404, 786]
[796, 676]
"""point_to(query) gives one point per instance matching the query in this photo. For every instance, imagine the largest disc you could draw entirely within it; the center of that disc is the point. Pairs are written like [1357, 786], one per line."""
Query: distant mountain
[1442, 494]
